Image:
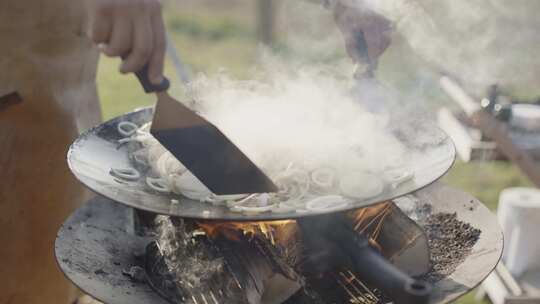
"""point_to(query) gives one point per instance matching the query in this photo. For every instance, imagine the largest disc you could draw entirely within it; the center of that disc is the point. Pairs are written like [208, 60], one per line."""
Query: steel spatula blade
[205, 150]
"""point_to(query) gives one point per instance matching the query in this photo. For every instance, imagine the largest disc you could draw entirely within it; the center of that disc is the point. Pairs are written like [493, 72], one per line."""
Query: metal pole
[180, 68]
[266, 15]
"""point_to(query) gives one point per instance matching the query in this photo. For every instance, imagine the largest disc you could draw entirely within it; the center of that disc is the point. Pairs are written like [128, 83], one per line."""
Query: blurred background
[230, 36]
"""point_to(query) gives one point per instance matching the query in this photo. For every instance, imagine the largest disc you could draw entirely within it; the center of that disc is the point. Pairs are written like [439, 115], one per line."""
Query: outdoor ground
[211, 35]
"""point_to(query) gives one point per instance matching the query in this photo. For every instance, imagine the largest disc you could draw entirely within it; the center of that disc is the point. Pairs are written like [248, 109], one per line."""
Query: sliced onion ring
[127, 128]
[323, 177]
[327, 203]
[282, 208]
[139, 159]
[129, 174]
[247, 209]
[398, 177]
[222, 199]
[127, 139]
[232, 204]
[158, 184]
[361, 185]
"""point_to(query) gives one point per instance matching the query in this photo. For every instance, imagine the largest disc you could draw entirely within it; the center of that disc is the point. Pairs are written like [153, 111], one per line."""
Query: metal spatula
[201, 146]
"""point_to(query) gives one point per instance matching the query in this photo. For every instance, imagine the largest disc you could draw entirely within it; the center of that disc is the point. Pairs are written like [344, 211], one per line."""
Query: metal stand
[97, 244]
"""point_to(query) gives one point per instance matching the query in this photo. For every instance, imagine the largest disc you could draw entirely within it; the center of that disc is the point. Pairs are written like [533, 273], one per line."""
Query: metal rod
[266, 15]
[344, 286]
[350, 281]
[362, 284]
[181, 70]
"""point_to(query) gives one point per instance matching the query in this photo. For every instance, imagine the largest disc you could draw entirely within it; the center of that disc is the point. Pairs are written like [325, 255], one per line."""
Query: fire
[367, 220]
[286, 237]
[370, 220]
[277, 232]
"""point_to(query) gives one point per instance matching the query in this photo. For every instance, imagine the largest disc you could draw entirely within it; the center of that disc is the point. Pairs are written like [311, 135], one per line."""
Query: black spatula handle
[148, 86]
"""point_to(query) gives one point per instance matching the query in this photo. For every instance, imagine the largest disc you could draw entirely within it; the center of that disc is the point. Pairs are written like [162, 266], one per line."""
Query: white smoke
[299, 107]
[481, 42]
[297, 114]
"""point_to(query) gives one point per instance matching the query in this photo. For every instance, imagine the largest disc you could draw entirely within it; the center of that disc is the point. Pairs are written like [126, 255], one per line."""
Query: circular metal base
[485, 254]
[96, 244]
[93, 248]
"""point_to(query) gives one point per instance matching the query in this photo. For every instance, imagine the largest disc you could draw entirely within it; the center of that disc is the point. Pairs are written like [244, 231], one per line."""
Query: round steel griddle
[97, 243]
[96, 151]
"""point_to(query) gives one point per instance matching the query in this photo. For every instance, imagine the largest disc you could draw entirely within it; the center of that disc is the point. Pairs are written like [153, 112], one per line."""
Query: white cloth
[519, 216]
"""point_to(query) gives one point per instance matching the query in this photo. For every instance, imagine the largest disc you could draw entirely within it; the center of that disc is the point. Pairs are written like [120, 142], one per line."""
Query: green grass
[206, 44]
[485, 180]
[469, 299]
[209, 40]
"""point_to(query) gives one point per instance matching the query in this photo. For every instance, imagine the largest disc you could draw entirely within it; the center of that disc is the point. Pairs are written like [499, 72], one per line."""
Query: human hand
[131, 29]
[366, 33]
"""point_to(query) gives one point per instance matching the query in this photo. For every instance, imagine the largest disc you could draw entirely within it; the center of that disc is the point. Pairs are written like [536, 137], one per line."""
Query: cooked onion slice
[398, 177]
[215, 199]
[327, 203]
[189, 186]
[323, 177]
[167, 164]
[145, 128]
[361, 185]
[158, 184]
[241, 202]
[127, 139]
[140, 157]
[249, 209]
[293, 184]
[126, 128]
[129, 174]
[283, 208]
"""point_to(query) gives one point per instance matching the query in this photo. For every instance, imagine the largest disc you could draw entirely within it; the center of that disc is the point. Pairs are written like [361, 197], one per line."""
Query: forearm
[366, 33]
[331, 4]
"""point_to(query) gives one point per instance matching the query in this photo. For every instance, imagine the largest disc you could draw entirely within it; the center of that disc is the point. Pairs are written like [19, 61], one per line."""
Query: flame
[277, 232]
[367, 220]
[284, 234]
[370, 220]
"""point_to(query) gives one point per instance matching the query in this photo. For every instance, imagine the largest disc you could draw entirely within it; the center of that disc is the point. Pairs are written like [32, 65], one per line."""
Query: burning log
[260, 262]
[256, 273]
[277, 239]
[262, 254]
[188, 265]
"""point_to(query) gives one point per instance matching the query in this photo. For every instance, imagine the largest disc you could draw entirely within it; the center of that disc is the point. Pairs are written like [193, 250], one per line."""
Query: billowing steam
[481, 42]
[300, 115]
